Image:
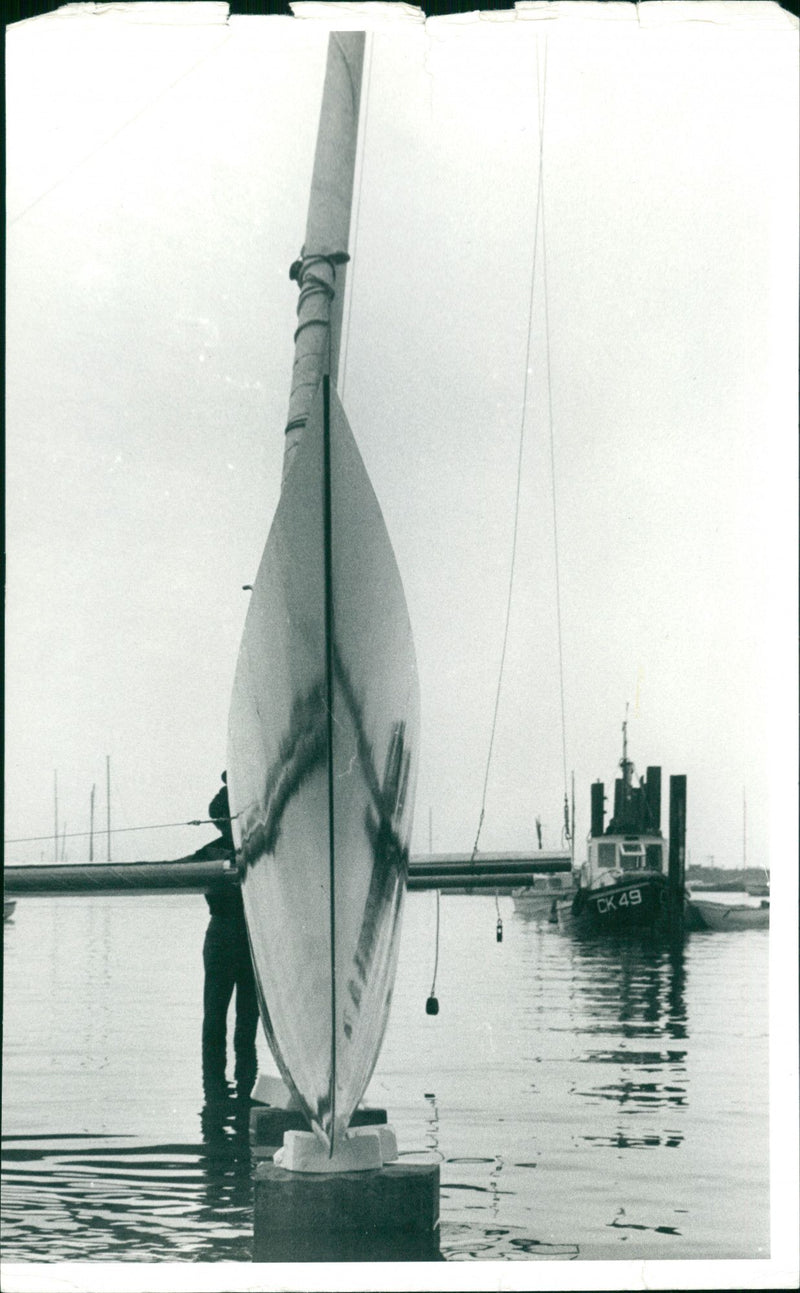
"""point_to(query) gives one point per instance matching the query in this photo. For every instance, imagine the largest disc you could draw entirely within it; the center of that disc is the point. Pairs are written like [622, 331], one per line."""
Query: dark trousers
[226, 957]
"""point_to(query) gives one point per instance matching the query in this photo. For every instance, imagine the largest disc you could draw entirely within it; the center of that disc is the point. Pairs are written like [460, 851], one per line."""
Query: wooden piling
[389, 1214]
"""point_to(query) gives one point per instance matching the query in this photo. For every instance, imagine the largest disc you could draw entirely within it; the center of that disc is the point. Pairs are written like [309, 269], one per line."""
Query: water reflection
[432, 1126]
[635, 993]
[226, 1164]
[74, 1197]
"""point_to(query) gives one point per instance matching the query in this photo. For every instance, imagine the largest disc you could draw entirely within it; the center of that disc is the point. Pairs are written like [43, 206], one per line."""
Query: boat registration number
[631, 898]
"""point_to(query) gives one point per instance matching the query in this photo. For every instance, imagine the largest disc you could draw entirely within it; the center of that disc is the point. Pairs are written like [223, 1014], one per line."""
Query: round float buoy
[432, 1006]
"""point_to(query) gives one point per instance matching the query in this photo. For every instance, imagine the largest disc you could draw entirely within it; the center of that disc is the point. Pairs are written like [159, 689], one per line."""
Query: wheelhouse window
[654, 857]
[631, 857]
[606, 855]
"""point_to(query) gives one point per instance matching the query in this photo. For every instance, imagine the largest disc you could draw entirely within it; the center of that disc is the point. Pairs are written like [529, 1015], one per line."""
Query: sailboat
[324, 717]
[755, 888]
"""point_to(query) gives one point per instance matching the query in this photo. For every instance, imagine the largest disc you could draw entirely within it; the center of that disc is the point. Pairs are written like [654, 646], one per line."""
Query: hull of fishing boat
[322, 752]
[729, 916]
[630, 904]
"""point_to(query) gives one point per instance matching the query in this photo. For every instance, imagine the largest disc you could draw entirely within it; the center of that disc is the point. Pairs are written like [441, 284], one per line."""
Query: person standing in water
[228, 966]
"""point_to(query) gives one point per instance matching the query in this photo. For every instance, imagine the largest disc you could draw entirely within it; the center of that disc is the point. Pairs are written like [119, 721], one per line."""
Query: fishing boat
[629, 878]
[324, 716]
[731, 916]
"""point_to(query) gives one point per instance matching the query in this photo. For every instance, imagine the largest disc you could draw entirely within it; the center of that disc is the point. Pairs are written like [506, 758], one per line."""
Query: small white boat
[324, 717]
[730, 916]
[538, 901]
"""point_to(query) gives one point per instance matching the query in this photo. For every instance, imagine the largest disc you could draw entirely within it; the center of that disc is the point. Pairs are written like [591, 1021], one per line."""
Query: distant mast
[319, 271]
[744, 828]
[91, 824]
[108, 803]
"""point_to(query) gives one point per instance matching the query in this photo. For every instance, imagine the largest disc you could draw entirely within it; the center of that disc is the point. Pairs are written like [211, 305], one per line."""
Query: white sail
[324, 720]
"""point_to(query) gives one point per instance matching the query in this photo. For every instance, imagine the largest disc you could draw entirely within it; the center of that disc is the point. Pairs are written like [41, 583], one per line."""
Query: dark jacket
[225, 901]
[219, 810]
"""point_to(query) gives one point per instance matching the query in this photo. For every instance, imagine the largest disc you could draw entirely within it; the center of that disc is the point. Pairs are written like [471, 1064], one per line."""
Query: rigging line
[345, 347]
[553, 494]
[120, 830]
[118, 131]
[541, 203]
[519, 478]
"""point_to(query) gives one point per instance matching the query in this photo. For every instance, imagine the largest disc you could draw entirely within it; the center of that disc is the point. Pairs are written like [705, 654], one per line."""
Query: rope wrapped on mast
[315, 275]
[320, 304]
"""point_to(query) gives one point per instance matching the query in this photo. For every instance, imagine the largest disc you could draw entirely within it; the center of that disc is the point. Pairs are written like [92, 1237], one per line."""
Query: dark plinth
[387, 1215]
[269, 1124]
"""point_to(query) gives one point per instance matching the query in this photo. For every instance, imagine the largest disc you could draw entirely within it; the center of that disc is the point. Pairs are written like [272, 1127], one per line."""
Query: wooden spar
[91, 825]
[534, 863]
[184, 875]
[426, 872]
[320, 268]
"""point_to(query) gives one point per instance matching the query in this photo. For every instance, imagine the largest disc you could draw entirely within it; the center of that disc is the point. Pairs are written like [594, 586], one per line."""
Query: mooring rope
[540, 107]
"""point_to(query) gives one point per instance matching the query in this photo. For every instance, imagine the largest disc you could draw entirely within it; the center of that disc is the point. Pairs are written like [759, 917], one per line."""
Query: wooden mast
[320, 269]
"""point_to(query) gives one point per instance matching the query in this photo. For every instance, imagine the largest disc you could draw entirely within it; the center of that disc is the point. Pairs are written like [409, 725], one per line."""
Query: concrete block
[388, 1214]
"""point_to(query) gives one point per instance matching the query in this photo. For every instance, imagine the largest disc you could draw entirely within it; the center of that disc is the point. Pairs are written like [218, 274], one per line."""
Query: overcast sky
[159, 161]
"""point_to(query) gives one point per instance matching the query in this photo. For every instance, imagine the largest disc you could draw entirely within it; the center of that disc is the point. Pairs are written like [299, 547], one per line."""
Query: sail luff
[320, 269]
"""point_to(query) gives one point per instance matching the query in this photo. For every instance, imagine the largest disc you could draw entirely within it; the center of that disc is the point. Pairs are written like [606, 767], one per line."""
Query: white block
[388, 1139]
[273, 1091]
[360, 1151]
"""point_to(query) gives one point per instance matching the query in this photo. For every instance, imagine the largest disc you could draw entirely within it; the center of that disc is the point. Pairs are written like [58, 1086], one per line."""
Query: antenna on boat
[55, 816]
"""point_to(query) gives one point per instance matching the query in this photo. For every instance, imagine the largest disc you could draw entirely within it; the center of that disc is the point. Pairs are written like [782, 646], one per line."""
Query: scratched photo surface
[568, 361]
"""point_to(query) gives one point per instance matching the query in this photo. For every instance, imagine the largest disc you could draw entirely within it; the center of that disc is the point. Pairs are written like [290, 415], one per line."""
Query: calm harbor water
[586, 1100]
